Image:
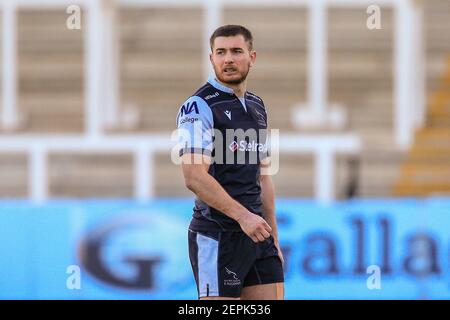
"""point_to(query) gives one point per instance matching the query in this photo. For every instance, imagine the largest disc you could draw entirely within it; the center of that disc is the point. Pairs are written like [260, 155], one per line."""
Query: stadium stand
[161, 64]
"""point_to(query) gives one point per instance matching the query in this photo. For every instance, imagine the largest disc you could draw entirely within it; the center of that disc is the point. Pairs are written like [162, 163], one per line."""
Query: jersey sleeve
[195, 127]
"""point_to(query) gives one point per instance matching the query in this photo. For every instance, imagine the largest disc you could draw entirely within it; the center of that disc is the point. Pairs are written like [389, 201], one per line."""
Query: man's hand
[254, 226]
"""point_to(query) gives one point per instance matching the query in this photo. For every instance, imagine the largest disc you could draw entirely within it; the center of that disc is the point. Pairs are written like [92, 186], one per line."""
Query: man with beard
[233, 241]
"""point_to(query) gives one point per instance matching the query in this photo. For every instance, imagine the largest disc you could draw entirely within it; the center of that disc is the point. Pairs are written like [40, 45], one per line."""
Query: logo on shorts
[231, 282]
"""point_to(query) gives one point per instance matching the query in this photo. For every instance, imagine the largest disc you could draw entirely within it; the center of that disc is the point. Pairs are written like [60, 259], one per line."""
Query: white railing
[9, 117]
[144, 148]
[101, 54]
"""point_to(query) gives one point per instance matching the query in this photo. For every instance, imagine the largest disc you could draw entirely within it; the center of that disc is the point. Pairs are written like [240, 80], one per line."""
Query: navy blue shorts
[225, 262]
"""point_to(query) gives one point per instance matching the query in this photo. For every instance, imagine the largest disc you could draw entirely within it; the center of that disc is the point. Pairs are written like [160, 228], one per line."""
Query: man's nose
[228, 57]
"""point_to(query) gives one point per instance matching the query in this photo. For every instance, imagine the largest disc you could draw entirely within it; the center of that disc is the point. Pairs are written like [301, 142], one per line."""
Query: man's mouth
[229, 70]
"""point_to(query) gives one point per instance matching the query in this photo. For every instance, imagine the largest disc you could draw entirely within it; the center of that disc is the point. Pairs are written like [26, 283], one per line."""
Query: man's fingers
[265, 234]
[260, 230]
[260, 237]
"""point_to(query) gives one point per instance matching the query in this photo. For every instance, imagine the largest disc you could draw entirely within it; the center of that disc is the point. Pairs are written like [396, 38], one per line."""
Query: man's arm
[198, 180]
[268, 201]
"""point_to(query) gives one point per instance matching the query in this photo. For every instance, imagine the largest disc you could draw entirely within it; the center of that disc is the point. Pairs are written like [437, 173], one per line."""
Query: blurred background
[93, 207]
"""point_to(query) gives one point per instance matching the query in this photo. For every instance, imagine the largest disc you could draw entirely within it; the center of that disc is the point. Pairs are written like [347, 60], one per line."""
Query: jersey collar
[216, 84]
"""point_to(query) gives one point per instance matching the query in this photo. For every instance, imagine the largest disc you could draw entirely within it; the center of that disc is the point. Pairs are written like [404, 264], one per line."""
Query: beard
[239, 80]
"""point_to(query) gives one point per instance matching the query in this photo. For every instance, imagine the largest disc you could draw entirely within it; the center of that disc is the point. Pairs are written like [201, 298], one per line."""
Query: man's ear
[252, 58]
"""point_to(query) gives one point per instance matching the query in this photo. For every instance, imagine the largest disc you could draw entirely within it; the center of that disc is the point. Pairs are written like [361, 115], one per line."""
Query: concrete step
[13, 176]
[104, 175]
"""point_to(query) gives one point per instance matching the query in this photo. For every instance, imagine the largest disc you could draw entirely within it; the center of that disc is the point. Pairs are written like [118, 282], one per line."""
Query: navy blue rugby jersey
[232, 130]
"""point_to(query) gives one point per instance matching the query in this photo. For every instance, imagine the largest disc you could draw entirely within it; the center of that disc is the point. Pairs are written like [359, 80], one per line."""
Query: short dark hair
[231, 30]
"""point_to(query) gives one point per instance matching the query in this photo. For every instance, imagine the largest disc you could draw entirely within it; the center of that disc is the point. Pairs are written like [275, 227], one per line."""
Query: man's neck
[239, 89]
